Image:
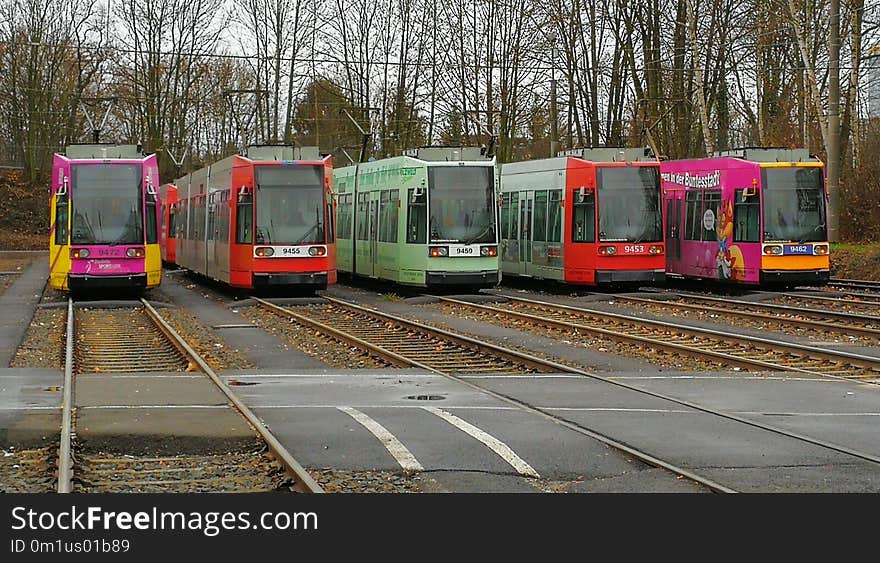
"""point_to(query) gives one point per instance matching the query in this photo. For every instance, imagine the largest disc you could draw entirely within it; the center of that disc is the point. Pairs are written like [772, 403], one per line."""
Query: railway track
[407, 344]
[140, 340]
[786, 317]
[735, 350]
[348, 310]
[843, 302]
[866, 285]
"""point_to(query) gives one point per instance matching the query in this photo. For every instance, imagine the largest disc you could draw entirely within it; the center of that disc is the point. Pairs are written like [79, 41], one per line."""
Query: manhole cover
[426, 397]
[238, 383]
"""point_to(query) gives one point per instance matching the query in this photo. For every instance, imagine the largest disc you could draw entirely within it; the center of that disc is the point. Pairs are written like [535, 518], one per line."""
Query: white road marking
[394, 446]
[494, 444]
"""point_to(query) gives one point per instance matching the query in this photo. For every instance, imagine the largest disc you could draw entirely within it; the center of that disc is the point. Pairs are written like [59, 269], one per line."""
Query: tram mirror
[748, 192]
[62, 189]
[582, 193]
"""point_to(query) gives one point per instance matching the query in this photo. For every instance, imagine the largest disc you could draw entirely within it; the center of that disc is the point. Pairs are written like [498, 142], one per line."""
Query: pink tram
[104, 216]
[750, 216]
[265, 219]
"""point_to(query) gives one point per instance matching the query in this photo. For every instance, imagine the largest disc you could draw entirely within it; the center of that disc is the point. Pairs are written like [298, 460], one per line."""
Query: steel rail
[522, 357]
[303, 482]
[783, 309]
[674, 347]
[65, 465]
[384, 353]
[871, 363]
[768, 427]
[535, 362]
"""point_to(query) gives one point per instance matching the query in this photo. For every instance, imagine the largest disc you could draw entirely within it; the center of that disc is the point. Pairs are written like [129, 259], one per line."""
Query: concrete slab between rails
[17, 306]
[376, 389]
[140, 389]
[30, 406]
[163, 431]
[261, 348]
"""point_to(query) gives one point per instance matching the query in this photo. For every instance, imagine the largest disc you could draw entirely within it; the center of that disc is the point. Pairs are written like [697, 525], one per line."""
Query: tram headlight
[655, 249]
[772, 249]
[607, 250]
[135, 253]
[820, 249]
[317, 251]
[77, 253]
[488, 251]
[264, 251]
[438, 251]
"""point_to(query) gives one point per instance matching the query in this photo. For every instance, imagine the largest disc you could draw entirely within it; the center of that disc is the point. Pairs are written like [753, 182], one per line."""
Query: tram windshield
[462, 204]
[107, 204]
[290, 204]
[794, 204]
[629, 204]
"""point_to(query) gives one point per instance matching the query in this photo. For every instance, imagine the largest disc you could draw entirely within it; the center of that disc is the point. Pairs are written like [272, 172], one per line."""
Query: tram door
[674, 226]
[673, 246]
[526, 203]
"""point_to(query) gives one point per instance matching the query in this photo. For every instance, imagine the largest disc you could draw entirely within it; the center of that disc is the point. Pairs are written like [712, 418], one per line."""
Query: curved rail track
[867, 326]
[140, 340]
[345, 312]
[745, 352]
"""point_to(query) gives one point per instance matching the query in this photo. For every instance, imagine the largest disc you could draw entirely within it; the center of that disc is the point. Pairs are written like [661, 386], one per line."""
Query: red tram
[590, 216]
[168, 195]
[264, 219]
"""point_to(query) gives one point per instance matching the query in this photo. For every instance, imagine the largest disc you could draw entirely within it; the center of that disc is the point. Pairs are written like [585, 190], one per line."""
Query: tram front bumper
[484, 278]
[630, 276]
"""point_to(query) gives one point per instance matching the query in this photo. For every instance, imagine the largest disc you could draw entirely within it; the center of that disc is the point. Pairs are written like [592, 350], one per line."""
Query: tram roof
[103, 151]
[768, 154]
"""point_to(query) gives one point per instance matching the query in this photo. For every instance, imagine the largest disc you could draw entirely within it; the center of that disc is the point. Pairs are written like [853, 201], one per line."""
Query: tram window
[540, 232]
[554, 217]
[61, 208]
[388, 216]
[711, 214]
[747, 218]
[172, 221]
[182, 231]
[514, 209]
[363, 217]
[505, 216]
[152, 230]
[344, 218]
[694, 210]
[223, 218]
[244, 229]
[331, 219]
[583, 228]
[416, 216]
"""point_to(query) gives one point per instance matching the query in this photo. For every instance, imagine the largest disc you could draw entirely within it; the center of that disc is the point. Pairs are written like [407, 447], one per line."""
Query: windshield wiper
[483, 232]
[313, 228]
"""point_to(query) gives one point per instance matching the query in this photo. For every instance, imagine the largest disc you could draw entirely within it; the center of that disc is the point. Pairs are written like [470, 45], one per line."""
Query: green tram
[428, 218]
